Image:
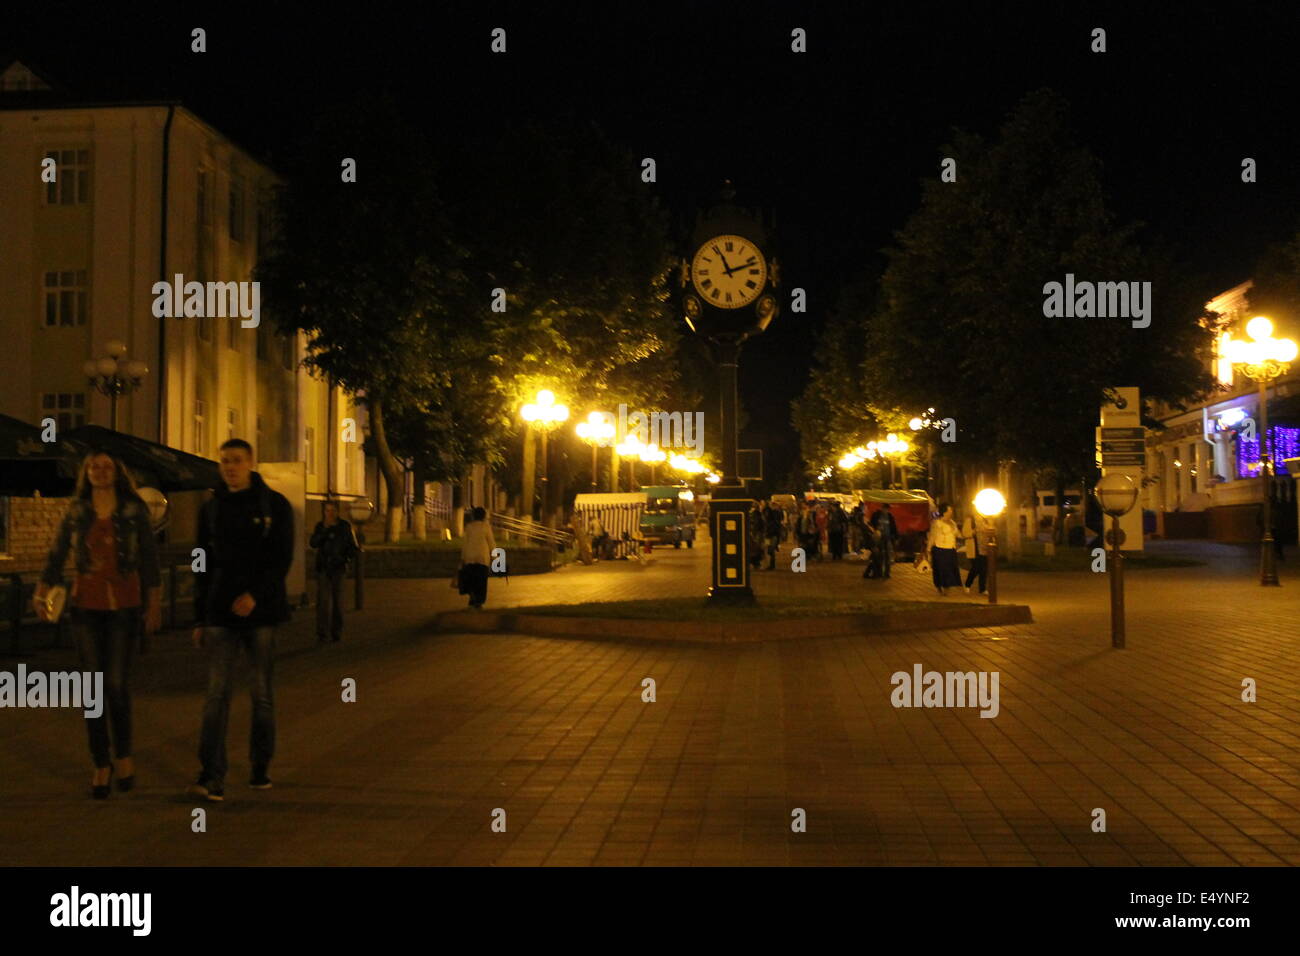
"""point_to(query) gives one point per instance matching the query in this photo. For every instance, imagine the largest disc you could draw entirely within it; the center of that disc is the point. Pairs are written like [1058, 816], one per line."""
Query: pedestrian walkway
[448, 728]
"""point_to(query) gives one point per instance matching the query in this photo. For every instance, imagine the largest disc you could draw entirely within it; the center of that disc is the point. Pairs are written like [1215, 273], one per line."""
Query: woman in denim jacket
[108, 530]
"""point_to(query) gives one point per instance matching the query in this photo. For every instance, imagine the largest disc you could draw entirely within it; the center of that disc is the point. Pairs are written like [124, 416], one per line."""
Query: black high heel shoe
[125, 784]
[100, 791]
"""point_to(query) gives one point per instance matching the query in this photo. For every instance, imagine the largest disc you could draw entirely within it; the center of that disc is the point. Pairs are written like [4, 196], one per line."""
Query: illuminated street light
[1263, 359]
[990, 504]
[543, 414]
[597, 430]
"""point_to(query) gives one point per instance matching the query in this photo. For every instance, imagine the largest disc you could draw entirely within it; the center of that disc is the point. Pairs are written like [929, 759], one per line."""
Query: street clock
[729, 272]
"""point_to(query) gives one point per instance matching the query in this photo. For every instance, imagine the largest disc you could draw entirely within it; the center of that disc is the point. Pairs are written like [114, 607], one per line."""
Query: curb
[732, 632]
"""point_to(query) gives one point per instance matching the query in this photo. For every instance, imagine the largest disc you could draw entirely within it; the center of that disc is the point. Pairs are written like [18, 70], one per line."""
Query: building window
[237, 209]
[200, 427]
[347, 465]
[309, 450]
[72, 177]
[287, 343]
[68, 409]
[65, 298]
[263, 334]
[232, 423]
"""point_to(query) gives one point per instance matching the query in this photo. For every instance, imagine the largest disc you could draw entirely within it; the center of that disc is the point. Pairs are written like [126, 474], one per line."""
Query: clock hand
[739, 267]
[724, 263]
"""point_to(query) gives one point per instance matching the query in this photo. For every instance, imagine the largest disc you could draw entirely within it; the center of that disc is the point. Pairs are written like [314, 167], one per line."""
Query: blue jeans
[224, 644]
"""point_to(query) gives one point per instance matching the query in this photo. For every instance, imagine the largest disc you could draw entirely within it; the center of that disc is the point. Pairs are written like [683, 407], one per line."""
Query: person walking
[837, 524]
[822, 524]
[475, 557]
[107, 527]
[942, 546]
[882, 522]
[335, 546]
[975, 529]
[774, 521]
[756, 528]
[246, 535]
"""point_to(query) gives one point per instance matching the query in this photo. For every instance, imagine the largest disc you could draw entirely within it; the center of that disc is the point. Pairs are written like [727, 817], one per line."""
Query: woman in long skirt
[943, 552]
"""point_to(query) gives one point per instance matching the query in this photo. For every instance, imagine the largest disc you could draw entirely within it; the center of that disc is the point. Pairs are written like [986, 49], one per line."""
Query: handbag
[55, 600]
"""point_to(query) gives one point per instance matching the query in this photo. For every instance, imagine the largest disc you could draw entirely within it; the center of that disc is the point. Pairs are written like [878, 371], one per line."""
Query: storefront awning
[167, 469]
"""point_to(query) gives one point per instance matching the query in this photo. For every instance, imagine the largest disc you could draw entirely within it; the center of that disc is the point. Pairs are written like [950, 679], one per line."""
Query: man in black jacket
[246, 536]
[335, 546]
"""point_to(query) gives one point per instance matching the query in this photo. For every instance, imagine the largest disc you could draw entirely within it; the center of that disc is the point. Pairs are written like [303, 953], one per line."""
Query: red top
[102, 588]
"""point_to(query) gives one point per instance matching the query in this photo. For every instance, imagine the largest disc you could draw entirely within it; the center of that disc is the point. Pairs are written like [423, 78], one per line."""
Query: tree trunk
[392, 470]
[419, 520]
[457, 508]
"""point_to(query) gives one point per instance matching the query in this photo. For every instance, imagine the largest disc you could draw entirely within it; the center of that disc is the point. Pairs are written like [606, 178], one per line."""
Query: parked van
[669, 516]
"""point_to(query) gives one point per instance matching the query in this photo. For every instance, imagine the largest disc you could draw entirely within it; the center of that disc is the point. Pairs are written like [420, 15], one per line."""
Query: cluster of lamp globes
[892, 445]
[115, 367]
[598, 429]
[1262, 348]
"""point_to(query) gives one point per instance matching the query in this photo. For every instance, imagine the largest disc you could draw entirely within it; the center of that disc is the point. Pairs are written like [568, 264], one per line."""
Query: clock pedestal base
[729, 530]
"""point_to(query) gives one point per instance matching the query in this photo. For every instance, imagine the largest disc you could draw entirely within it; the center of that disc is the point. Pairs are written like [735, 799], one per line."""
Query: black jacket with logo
[252, 552]
[335, 546]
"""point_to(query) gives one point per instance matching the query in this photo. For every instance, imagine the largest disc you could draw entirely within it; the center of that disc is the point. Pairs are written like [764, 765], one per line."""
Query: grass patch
[697, 609]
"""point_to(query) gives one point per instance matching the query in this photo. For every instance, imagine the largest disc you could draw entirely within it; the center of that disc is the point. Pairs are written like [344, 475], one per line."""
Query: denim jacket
[137, 549]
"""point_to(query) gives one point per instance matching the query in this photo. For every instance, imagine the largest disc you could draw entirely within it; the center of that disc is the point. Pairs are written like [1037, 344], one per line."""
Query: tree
[368, 269]
[962, 326]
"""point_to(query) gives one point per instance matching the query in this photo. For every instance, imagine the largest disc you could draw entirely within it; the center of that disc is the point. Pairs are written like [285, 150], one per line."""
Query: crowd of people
[826, 531]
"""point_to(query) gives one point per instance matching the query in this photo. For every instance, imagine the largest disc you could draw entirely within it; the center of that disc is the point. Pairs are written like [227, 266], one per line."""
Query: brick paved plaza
[449, 727]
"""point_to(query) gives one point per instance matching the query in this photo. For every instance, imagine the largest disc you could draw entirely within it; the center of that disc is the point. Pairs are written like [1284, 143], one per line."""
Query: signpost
[1121, 450]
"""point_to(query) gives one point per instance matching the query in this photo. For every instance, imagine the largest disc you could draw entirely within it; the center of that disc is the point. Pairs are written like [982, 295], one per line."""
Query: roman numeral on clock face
[706, 283]
[728, 246]
[751, 284]
[728, 296]
[716, 293]
[753, 272]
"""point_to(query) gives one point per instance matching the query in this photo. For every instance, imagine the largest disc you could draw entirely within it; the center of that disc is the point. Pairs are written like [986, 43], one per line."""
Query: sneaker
[205, 788]
[259, 780]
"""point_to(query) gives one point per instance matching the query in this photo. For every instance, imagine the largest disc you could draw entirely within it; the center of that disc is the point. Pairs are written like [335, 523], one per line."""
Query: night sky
[836, 140]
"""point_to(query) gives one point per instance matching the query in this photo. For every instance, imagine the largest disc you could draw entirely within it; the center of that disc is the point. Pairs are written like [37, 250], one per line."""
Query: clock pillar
[711, 315]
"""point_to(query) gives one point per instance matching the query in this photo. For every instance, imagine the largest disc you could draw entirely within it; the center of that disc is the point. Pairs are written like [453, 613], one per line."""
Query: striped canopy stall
[620, 513]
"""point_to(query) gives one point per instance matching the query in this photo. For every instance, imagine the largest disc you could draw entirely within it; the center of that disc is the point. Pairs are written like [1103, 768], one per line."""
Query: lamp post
[597, 430]
[1117, 494]
[544, 414]
[1263, 359]
[652, 455]
[113, 374]
[630, 448]
[990, 504]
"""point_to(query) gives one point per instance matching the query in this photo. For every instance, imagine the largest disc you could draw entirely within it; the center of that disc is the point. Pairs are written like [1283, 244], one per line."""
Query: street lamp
[113, 374]
[1263, 359]
[990, 504]
[597, 430]
[543, 414]
[630, 448]
[652, 455]
[1117, 494]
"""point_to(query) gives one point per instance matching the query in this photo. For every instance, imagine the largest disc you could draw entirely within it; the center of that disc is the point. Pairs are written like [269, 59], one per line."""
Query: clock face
[729, 272]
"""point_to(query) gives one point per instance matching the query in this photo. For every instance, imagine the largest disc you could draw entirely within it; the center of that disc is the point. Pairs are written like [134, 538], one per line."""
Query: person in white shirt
[974, 529]
[943, 552]
[475, 556]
